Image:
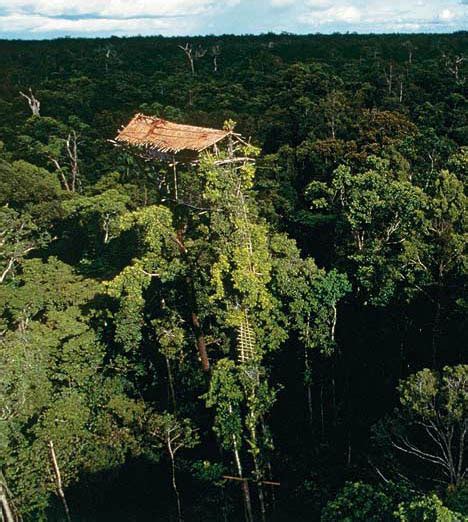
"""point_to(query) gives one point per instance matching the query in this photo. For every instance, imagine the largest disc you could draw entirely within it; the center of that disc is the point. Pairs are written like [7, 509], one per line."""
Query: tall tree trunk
[200, 338]
[196, 325]
[244, 484]
[258, 473]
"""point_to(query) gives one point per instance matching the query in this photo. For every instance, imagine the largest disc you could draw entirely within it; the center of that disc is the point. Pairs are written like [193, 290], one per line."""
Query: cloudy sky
[53, 18]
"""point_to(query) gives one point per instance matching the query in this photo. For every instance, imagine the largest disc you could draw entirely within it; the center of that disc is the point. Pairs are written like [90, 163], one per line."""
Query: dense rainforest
[283, 340]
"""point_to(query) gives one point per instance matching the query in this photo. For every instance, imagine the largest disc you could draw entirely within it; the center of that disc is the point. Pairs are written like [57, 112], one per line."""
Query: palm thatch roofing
[166, 137]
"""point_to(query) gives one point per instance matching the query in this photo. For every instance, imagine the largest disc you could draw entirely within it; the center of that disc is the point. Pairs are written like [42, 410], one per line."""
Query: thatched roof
[167, 137]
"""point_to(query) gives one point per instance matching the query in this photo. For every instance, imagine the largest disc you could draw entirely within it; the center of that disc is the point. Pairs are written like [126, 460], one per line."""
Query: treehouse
[164, 140]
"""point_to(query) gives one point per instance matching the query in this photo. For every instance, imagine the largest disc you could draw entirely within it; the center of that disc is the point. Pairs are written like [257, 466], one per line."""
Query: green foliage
[359, 501]
[427, 508]
[340, 252]
[53, 385]
[432, 423]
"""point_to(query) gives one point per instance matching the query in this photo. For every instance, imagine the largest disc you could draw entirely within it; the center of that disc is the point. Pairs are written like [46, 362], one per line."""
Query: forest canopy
[274, 331]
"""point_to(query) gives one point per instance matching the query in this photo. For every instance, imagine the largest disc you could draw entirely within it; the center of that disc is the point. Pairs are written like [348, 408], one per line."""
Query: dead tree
[109, 55]
[408, 45]
[215, 53]
[71, 147]
[34, 103]
[188, 50]
[200, 52]
[72, 152]
[453, 64]
[389, 77]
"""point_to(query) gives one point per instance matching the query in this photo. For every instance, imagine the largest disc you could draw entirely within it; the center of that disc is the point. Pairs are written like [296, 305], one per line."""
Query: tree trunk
[261, 496]
[258, 474]
[174, 485]
[200, 340]
[308, 386]
[436, 326]
[58, 480]
[196, 325]
[5, 509]
[170, 379]
[322, 413]
[244, 484]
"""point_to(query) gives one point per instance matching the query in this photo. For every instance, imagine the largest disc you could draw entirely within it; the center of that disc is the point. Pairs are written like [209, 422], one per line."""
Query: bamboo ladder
[245, 341]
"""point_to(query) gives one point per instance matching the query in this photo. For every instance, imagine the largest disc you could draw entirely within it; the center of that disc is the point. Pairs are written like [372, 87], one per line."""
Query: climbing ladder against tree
[245, 341]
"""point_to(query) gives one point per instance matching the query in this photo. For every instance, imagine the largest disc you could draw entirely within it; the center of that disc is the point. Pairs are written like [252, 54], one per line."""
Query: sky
[38, 19]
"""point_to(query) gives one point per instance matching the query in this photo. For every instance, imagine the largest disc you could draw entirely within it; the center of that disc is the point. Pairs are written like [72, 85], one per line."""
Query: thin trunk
[308, 386]
[261, 496]
[436, 328]
[244, 483]
[176, 190]
[335, 412]
[170, 380]
[258, 475]
[174, 485]
[58, 480]
[272, 487]
[348, 460]
[322, 413]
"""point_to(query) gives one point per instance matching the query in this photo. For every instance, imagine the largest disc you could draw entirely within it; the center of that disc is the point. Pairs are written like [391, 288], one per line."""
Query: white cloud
[282, 3]
[35, 24]
[122, 17]
[447, 15]
[114, 8]
[318, 5]
[347, 14]
[169, 17]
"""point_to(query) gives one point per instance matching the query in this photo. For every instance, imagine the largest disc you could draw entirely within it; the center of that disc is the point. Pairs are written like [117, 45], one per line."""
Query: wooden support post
[174, 168]
[242, 479]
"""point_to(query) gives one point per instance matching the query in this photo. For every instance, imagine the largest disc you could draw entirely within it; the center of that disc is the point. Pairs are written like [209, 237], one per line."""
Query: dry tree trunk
[33, 102]
[189, 54]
